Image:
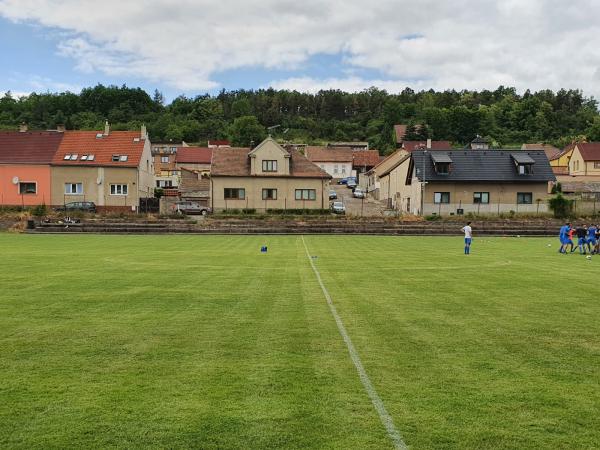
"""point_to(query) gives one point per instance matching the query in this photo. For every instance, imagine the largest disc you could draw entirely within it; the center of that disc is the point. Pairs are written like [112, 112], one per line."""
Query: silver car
[188, 207]
[338, 208]
[359, 193]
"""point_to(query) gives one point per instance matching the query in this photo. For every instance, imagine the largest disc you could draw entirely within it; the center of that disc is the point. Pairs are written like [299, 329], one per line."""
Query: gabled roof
[235, 162]
[365, 158]
[479, 140]
[332, 154]
[103, 147]
[32, 147]
[411, 146]
[550, 150]
[564, 151]
[590, 151]
[484, 165]
[194, 155]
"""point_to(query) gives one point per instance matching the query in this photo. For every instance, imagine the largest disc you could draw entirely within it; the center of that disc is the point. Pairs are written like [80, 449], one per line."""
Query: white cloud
[472, 44]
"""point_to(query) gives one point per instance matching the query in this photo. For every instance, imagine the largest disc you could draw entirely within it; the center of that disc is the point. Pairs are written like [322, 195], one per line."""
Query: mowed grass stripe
[172, 341]
[386, 420]
[495, 350]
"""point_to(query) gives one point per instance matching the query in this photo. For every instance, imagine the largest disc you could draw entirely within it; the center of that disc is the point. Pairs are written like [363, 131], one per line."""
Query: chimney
[144, 133]
[106, 128]
[61, 127]
[23, 128]
[428, 143]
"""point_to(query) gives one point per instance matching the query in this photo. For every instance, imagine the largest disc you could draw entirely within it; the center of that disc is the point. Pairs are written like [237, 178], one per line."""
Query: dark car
[342, 181]
[351, 183]
[332, 195]
[77, 206]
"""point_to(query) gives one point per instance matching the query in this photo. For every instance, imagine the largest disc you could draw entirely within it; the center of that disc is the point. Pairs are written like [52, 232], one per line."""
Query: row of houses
[112, 169]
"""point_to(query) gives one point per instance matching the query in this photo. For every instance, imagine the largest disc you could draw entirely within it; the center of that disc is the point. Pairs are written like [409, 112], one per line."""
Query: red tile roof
[550, 150]
[331, 154]
[365, 158]
[222, 142]
[411, 146]
[590, 151]
[235, 162]
[34, 147]
[564, 151]
[121, 143]
[194, 155]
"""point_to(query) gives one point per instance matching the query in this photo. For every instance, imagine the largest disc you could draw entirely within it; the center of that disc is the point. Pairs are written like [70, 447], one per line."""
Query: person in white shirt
[468, 237]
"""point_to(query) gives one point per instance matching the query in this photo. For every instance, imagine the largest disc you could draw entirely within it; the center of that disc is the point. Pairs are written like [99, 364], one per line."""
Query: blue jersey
[563, 231]
[592, 232]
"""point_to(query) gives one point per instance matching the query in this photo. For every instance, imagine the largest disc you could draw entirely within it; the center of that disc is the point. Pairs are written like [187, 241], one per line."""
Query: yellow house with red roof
[113, 169]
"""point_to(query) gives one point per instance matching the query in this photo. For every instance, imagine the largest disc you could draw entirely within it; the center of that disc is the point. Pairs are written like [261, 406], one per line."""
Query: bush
[433, 217]
[298, 212]
[158, 192]
[248, 211]
[556, 188]
[561, 207]
[39, 210]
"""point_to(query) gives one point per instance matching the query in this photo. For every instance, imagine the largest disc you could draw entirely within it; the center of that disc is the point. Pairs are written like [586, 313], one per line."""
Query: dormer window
[67, 157]
[123, 158]
[115, 158]
[269, 165]
[523, 162]
[442, 163]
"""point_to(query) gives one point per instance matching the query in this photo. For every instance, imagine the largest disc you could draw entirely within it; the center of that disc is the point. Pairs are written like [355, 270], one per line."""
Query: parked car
[77, 206]
[332, 195]
[359, 193]
[189, 207]
[343, 181]
[351, 183]
[337, 208]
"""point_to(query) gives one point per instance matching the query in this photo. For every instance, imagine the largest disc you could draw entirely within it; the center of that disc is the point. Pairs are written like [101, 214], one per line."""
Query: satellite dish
[15, 180]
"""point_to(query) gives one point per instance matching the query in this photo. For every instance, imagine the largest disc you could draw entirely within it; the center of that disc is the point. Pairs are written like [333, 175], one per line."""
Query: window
[269, 166]
[441, 197]
[174, 173]
[481, 197]
[524, 198]
[123, 158]
[74, 188]
[74, 157]
[173, 149]
[84, 157]
[306, 194]
[118, 189]
[27, 188]
[525, 169]
[442, 168]
[164, 159]
[269, 194]
[90, 157]
[335, 169]
[115, 158]
[343, 169]
[596, 164]
[67, 156]
[235, 193]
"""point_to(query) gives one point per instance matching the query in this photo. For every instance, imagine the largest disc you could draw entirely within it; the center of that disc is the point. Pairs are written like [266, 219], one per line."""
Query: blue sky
[200, 46]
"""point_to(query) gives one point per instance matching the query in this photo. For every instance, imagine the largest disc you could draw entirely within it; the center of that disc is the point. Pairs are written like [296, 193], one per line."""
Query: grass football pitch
[205, 342]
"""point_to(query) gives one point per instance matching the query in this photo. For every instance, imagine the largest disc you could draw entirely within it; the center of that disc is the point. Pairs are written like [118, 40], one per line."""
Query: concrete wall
[337, 170]
[96, 186]
[285, 192]
[9, 191]
[271, 151]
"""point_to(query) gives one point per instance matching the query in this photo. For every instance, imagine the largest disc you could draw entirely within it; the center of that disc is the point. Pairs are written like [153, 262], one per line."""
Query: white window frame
[69, 191]
[306, 194]
[481, 198]
[164, 159]
[265, 191]
[124, 188]
[269, 165]
[438, 198]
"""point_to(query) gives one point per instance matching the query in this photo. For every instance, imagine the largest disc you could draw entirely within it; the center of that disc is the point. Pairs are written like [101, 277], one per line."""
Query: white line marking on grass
[385, 417]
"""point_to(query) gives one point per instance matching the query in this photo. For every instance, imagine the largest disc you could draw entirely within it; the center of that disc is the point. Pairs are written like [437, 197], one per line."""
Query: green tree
[246, 131]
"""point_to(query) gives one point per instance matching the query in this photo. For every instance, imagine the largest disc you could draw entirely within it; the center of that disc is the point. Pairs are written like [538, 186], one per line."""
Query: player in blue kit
[591, 238]
[563, 236]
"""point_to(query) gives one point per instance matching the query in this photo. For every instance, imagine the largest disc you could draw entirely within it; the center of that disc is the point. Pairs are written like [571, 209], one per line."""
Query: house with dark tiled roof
[113, 169]
[268, 176]
[461, 181]
[25, 174]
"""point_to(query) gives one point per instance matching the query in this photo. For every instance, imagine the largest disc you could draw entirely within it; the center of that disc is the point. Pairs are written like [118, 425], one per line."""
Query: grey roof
[439, 157]
[479, 140]
[483, 165]
[522, 158]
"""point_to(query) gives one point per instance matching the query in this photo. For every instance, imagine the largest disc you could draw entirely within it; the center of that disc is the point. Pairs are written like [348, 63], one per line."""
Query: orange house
[25, 167]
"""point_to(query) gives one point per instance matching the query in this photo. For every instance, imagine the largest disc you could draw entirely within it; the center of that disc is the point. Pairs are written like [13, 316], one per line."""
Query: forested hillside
[503, 116]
